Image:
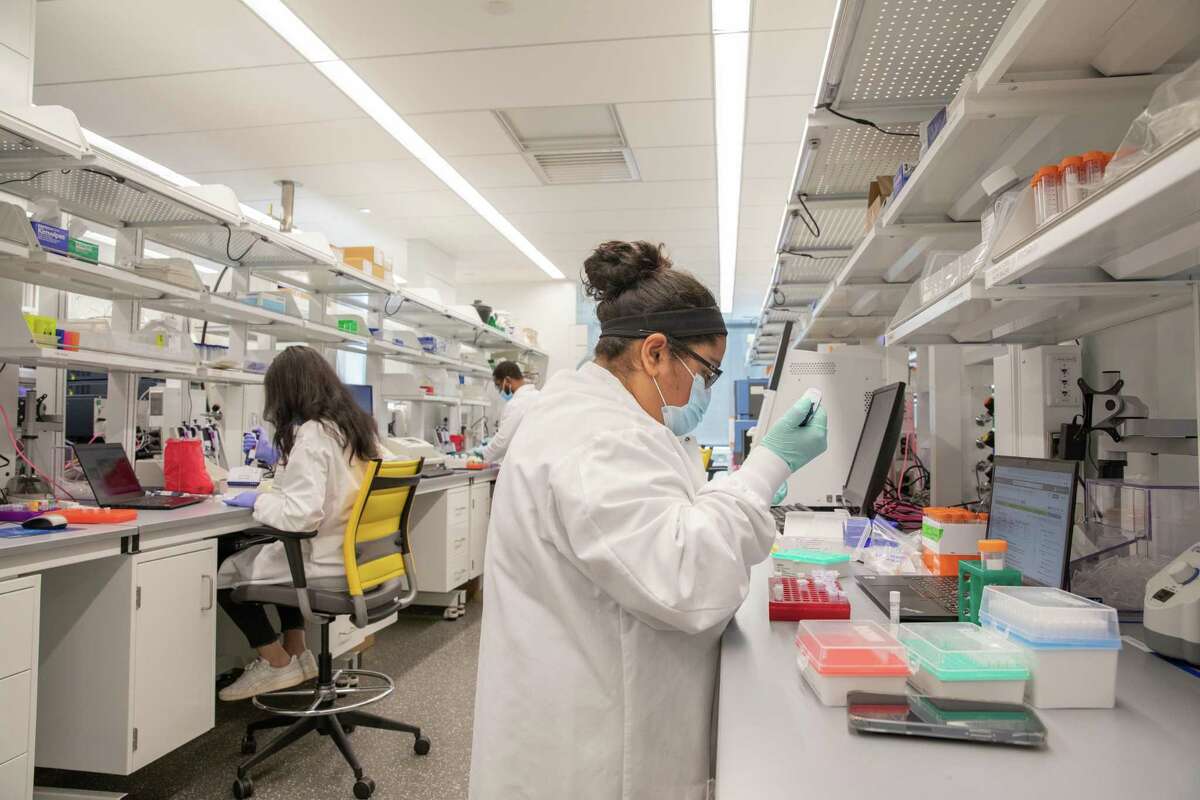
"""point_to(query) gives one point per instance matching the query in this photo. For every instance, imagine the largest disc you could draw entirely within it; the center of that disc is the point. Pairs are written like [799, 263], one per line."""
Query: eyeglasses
[712, 371]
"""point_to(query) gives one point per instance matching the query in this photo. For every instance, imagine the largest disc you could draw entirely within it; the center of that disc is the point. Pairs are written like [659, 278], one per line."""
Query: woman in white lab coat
[323, 440]
[612, 567]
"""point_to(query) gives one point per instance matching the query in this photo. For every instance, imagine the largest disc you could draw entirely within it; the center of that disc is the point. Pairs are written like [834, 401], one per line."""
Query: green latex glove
[780, 495]
[795, 444]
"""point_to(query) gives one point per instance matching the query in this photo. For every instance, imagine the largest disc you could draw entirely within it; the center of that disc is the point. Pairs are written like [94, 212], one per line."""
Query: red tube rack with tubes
[791, 598]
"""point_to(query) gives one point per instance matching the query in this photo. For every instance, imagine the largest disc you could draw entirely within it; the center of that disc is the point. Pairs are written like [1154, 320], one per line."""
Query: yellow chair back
[376, 539]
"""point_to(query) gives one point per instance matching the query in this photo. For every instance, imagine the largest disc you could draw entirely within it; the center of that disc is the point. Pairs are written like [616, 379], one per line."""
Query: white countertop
[775, 739]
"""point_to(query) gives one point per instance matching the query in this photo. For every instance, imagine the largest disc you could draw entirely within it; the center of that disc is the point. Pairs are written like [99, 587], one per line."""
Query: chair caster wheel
[249, 746]
[349, 728]
[422, 745]
[243, 788]
[364, 788]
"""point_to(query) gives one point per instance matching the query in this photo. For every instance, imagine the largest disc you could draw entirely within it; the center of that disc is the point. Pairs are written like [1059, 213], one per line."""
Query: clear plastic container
[964, 661]
[1092, 176]
[840, 656]
[799, 556]
[1070, 182]
[992, 553]
[1045, 184]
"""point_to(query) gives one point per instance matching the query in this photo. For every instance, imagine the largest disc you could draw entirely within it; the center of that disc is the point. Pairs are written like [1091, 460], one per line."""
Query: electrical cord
[860, 121]
[797, 254]
[32, 177]
[114, 178]
[399, 305]
[215, 288]
[21, 455]
[229, 240]
[808, 219]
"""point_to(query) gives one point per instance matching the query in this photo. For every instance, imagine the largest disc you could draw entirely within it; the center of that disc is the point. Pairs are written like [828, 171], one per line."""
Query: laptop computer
[1033, 509]
[115, 484]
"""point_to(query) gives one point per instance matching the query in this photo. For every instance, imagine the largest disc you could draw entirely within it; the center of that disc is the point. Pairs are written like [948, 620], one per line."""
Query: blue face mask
[506, 394]
[684, 419]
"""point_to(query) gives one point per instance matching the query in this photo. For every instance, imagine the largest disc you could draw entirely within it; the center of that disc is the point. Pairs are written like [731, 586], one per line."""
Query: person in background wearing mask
[612, 567]
[518, 395]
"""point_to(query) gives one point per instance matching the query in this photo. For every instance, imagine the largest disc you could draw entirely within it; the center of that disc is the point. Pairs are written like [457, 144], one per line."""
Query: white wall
[1156, 358]
[425, 266]
[16, 52]
[546, 306]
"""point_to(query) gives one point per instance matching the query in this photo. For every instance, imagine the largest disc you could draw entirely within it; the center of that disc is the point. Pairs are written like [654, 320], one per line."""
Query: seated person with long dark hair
[323, 439]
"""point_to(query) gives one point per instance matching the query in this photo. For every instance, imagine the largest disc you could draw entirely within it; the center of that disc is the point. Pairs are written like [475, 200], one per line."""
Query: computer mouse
[46, 522]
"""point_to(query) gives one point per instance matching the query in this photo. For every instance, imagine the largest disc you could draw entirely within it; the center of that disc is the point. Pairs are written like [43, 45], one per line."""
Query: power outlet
[1063, 371]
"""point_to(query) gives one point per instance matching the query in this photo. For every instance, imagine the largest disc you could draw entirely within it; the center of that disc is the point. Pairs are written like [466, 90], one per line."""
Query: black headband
[681, 323]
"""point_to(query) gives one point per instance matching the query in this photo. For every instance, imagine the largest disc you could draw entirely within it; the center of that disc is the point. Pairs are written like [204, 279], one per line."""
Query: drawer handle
[211, 592]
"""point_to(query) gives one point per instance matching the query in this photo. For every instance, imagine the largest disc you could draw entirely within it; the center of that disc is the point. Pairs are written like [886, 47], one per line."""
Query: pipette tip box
[1072, 643]
[840, 656]
[962, 661]
[794, 598]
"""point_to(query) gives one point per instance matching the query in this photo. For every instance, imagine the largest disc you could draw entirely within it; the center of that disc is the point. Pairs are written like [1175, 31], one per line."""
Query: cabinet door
[174, 649]
[481, 513]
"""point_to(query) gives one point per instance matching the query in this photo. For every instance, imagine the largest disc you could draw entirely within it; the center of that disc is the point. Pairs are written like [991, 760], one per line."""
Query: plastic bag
[1173, 112]
[183, 467]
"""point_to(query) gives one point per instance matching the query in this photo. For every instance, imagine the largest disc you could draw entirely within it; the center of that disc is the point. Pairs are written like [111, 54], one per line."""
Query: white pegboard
[850, 157]
[809, 270]
[918, 51]
[96, 196]
[12, 145]
[840, 228]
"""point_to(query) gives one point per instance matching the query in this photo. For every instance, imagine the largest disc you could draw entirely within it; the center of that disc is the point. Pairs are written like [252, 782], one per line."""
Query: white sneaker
[260, 677]
[308, 663]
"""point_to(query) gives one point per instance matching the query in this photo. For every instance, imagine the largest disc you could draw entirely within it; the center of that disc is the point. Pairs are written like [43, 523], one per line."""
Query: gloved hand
[780, 495]
[475, 452]
[242, 500]
[798, 445]
[264, 451]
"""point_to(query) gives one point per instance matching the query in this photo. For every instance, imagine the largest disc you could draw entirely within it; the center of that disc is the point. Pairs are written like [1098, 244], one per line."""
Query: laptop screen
[108, 470]
[1033, 505]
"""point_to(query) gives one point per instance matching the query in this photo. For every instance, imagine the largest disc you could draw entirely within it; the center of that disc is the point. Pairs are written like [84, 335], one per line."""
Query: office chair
[380, 580]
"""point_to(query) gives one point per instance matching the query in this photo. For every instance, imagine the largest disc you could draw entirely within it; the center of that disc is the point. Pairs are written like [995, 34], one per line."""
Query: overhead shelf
[1041, 313]
[1019, 125]
[843, 327]
[335, 280]
[895, 253]
[31, 355]
[428, 316]
[229, 376]
[1144, 225]
[423, 398]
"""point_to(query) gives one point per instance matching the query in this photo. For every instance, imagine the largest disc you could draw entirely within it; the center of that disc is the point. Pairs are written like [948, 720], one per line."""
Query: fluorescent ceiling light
[731, 52]
[364, 211]
[309, 45]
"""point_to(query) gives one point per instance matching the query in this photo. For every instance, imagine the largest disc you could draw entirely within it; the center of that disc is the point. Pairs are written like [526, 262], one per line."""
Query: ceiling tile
[763, 217]
[85, 40]
[463, 133]
[766, 191]
[667, 124]
[485, 172]
[770, 160]
[439, 203]
[776, 119]
[273, 146]
[546, 75]
[677, 163]
[786, 62]
[389, 27]
[607, 196]
[614, 223]
[772, 15]
[222, 100]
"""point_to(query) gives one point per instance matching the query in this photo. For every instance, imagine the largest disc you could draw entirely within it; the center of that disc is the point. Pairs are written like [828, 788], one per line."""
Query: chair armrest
[291, 546]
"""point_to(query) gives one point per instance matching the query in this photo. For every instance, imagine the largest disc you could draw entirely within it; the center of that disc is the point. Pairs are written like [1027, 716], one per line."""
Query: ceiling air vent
[572, 144]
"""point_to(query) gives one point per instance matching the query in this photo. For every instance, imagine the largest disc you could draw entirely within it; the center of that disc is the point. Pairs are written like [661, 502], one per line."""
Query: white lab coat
[315, 490]
[510, 419]
[611, 570]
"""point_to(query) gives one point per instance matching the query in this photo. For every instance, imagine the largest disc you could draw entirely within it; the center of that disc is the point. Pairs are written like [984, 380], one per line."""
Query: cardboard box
[84, 251]
[52, 238]
[877, 196]
[369, 254]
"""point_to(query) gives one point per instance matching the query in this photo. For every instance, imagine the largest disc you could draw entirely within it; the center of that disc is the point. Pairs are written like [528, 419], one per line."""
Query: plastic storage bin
[1072, 643]
[796, 598]
[840, 656]
[952, 530]
[965, 662]
[804, 555]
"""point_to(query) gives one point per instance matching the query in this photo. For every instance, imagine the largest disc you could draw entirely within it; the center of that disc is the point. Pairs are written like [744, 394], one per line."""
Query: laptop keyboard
[942, 589]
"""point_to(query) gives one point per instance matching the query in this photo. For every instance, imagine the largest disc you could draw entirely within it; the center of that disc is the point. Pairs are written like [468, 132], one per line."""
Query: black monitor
[781, 356]
[364, 395]
[1033, 509]
[876, 448]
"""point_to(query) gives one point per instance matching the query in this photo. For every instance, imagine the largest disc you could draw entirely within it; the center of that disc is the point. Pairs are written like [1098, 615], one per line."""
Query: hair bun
[614, 267]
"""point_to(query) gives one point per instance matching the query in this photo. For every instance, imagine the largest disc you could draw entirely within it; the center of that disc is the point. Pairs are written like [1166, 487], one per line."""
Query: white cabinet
[145, 626]
[19, 601]
[439, 532]
[481, 514]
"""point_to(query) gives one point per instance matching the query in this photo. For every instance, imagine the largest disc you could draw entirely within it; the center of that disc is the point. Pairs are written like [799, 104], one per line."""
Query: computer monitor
[781, 356]
[876, 448]
[364, 395]
[1033, 509]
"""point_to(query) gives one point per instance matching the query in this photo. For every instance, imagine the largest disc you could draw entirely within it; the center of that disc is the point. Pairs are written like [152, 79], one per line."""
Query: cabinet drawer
[14, 778]
[14, 715]
[458, 507]
[17, 622]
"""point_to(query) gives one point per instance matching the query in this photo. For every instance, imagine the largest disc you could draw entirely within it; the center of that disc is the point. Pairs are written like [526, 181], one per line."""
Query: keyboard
[942, 589]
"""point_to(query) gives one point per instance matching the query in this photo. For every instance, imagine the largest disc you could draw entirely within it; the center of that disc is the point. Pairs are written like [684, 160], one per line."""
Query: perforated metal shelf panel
[840, 228]
[912, 52]
[850, 157]
[97, 196]
[809, 270]
[14, 146]
[211, 243]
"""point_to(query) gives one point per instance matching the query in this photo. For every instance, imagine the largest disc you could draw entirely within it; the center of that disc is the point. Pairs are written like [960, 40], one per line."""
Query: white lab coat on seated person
[315, 490]
[611, 571]
[510, 419]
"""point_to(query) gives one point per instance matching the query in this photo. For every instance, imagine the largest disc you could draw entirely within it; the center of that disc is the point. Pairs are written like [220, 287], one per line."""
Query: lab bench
[774, 737]
[111, 605]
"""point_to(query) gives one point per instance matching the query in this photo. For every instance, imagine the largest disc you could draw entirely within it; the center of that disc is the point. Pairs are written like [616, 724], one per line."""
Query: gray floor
[433, 662]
